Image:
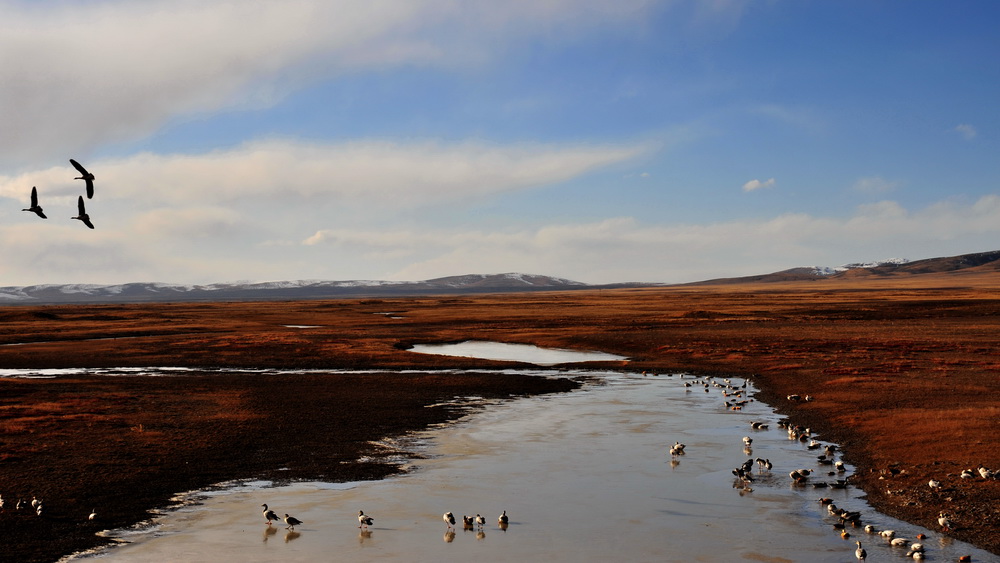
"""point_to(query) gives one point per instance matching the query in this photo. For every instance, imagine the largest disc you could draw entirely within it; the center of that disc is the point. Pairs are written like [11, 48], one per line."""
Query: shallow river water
[583, 476]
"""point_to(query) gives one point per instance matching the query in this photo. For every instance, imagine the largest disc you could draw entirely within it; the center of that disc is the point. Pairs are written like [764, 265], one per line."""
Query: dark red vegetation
[903, 372]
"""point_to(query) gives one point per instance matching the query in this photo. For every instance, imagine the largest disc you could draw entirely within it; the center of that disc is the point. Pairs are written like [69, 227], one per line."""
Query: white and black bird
[269, 515]
[83, 213]
[480, 521]
[364, 520]
[85, 176]
[93, 515]
[292, 522]
[35, 208]
[449, 519]
[468, 522]
[944, 522]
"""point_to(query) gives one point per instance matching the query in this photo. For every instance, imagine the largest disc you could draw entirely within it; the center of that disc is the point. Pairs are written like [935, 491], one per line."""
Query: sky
[596, 140]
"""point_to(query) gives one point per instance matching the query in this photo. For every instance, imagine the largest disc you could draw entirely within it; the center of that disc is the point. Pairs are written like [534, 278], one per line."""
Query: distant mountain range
[280, 290]
[467, 284]
[980, 261]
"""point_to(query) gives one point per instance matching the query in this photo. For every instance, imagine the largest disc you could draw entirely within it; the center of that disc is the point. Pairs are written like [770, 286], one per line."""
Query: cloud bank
[78, 75]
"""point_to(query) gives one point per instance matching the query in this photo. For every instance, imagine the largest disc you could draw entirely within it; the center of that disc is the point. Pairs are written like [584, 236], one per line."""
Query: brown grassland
[904, 373]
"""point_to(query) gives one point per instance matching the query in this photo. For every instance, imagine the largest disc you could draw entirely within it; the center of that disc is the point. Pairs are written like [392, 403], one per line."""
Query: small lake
[514, 353]
[583, 476]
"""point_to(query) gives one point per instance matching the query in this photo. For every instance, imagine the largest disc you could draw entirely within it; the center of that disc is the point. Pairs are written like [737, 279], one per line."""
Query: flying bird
[292, 522]
[86, 176]
[83, 213]
[34, 204]
[269, 515]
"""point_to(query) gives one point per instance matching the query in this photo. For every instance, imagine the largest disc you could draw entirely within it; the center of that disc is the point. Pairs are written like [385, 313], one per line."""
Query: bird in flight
[35, 208]
[83, 213]
[86, 176]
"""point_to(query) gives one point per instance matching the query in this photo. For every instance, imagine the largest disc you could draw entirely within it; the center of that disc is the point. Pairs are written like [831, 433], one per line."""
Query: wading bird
[449, 519]
[86, 177]
[860, 552]
[503, 518]
[269, 515]
[35, 208]
[83, 213]
[292, 522]
[364, 520]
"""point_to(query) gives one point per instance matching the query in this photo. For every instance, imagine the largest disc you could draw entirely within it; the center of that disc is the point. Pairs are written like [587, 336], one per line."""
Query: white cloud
[966, 130]
[77, 75]
[387, 173]
[624, 249]
[875, 185]
[755, 184]
[200, 245]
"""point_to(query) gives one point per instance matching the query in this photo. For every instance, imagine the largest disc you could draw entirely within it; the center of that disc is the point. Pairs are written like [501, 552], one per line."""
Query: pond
[515, 353]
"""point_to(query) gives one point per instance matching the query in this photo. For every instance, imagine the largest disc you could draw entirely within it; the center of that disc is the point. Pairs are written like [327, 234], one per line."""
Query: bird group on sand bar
[81, 215]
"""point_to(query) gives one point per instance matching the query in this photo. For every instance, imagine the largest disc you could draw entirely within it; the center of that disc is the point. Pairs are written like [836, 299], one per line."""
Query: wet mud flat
[903, 373]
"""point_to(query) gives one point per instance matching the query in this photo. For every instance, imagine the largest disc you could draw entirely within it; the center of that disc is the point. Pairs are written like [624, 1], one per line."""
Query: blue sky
[600, 141]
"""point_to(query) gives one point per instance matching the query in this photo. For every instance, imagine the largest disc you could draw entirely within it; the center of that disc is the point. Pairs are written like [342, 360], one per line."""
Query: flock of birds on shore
[82, 215]
[736, 398]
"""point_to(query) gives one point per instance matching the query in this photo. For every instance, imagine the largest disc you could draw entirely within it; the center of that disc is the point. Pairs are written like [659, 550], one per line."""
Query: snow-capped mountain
[299, 289]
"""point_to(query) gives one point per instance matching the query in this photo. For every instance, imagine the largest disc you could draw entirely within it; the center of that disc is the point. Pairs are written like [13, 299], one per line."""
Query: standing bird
[944, 522]
[35, 208]
[364, 520]
[86, 177]
[83, 213]
[93, 515]
[860, 552]
[480, 521]
[503, 519]
[449, 519]
[292, 522]
[269, 515]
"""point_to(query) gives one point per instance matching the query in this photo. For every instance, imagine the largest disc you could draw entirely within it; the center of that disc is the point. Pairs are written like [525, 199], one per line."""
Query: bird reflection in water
[503, 526]
[364, 535]
[268, 532]
[480, 535]
[291, 535]
[449, 536]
